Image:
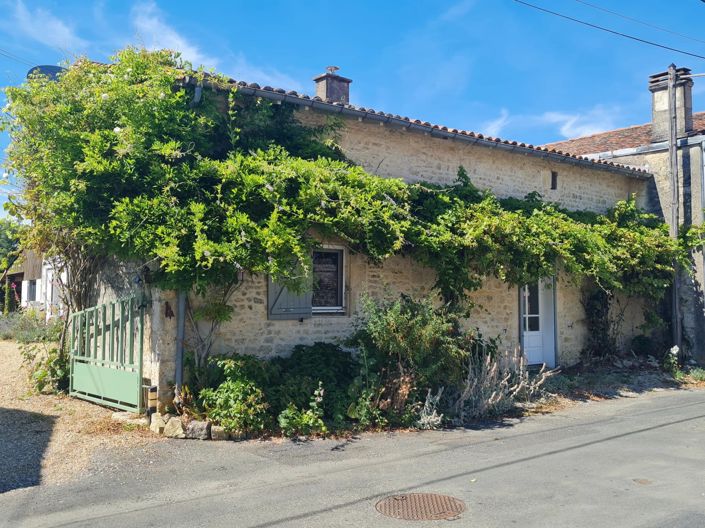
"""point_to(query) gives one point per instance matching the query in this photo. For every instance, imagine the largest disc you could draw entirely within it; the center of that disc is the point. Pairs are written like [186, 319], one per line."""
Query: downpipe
[180, 336]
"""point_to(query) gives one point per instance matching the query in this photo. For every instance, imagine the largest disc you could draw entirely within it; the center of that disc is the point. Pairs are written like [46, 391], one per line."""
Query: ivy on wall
[133, 159]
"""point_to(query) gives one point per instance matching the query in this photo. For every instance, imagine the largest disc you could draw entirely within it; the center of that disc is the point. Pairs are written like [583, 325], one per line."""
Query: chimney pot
[332, 87]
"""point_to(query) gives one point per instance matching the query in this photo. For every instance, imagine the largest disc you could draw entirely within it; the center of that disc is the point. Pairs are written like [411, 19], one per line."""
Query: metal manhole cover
[421, 506]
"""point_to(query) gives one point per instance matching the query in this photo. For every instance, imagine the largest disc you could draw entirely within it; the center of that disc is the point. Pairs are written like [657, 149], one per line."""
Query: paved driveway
[630, 462]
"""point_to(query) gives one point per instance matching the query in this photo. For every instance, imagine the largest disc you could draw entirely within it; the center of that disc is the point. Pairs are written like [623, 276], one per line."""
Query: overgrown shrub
[295, 378]
[295, 422]
[30, 326]
[409, 346]
[414, 367]
[237, 404]
[47, 365]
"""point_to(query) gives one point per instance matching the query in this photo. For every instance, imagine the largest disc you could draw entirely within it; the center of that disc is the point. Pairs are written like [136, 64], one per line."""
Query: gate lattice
[107, 344]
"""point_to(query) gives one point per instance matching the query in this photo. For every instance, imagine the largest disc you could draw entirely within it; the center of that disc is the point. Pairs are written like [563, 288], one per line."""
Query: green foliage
[237, 404]
[9, 241]
[601, 341]
[697, 373]
[408, 337]
[295, 422]
[409, 350]
[47, 365]
[366, 411]
[30, 326]
[298, 375]
[671, 364]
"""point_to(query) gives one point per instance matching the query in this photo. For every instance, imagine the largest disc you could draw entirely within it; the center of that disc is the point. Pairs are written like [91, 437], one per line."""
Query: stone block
[218, 432]
[157, 424]
[174, 428]
[198, 430]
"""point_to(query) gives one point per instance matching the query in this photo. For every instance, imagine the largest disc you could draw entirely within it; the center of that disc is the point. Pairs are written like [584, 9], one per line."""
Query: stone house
[546, 320]
[647, 146]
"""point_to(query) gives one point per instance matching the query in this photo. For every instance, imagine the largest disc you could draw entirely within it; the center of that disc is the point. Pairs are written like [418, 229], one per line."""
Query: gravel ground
[51, 438]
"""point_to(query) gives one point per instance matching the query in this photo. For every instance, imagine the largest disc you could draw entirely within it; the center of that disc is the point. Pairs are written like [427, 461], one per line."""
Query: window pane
[32, 291]
[533, 300]
[533, 323]
[327, 279]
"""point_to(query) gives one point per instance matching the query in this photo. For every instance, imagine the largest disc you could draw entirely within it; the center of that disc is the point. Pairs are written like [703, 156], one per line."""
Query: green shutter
[285, 304]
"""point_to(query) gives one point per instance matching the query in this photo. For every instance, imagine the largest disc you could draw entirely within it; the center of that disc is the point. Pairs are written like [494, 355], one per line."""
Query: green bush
[295, 422]
[366, 412]
[293, 379]
[698, 374]
[236, 404]
[408, 346]
[30, 326]
[48, 366]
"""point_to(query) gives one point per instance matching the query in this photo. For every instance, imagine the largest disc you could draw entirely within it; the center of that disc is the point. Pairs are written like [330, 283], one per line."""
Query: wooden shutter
[285, 304]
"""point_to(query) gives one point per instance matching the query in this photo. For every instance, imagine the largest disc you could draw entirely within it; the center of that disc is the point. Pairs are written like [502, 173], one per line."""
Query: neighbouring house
[35, 284]
[546, 319]
[647, 146]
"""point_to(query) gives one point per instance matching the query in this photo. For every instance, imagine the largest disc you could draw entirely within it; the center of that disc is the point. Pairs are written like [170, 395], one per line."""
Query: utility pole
[675, 200]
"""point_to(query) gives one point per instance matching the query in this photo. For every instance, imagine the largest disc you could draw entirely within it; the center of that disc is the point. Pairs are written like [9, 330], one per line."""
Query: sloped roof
[621, 138]
[363, 113]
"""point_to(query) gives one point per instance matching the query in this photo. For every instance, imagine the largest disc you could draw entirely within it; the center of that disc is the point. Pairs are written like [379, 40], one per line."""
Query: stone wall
[412, 156]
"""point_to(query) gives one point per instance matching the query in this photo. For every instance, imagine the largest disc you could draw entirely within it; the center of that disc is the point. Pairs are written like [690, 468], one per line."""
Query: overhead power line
[643, 23]
[16, 58]
[612, 31]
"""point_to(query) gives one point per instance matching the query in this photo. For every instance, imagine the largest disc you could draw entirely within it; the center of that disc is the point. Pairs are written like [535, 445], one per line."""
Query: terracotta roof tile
[547, 151]
[621, 138]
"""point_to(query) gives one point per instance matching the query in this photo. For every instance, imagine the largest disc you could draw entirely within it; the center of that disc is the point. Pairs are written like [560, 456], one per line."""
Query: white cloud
[155, 33]
[456, 11]
[242, 69]
[43, 27]
[579, 124]
[495, 126]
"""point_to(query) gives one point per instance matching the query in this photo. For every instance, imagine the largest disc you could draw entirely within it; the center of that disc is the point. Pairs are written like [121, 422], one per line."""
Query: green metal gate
[106, 354]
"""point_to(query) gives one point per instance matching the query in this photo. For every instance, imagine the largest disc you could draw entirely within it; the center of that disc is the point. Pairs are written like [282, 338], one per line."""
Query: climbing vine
[144, 158]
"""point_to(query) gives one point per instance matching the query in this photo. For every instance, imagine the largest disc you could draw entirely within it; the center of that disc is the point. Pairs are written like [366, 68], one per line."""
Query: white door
[537, 323]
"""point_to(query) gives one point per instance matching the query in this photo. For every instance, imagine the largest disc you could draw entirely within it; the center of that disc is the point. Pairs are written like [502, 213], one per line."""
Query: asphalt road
[636, 462]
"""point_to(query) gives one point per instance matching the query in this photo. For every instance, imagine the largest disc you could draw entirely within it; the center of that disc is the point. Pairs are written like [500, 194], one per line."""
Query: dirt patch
[618, 378]
[51, 438]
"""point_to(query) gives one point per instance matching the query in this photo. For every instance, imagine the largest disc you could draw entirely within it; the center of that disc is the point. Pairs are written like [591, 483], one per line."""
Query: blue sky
[493, 66]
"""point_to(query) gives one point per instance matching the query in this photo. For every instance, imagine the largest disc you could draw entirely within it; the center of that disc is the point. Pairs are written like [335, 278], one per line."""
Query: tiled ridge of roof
[621, 138]
[315, 102]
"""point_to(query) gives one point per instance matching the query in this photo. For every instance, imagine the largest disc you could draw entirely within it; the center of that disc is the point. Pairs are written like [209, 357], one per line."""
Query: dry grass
[78, 428]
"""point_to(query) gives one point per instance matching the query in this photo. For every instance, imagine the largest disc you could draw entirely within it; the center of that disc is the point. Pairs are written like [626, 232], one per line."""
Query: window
[32, 291]
[554, 180]
[531, 314]
[328, 282]
[326, 295]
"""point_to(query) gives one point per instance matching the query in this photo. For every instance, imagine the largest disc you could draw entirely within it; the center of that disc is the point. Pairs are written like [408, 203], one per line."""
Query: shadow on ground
[24, 437]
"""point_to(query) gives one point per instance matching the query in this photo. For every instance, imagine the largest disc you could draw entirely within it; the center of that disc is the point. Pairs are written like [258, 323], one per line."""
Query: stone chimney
[658, 86]
[332, 87]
